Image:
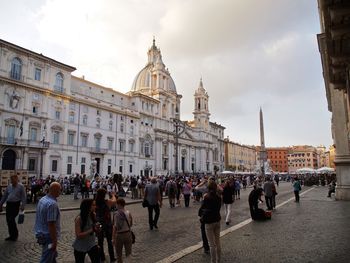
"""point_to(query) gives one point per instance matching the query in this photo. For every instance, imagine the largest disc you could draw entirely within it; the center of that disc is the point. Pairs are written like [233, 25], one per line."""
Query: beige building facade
[53, 123]
[239, 157]
[333, 42]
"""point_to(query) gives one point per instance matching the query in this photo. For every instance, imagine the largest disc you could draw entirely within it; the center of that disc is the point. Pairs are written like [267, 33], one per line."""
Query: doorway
[9, 160]
[98, 161]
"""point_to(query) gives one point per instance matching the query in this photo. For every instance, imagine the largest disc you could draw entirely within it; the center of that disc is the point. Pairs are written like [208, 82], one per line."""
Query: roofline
[98, 85]
[39, 56]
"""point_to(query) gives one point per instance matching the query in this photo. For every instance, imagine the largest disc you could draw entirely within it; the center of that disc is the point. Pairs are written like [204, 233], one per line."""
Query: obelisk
[263, 155]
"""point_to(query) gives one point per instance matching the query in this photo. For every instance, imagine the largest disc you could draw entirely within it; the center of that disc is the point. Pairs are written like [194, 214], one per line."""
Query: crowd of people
[103, 215]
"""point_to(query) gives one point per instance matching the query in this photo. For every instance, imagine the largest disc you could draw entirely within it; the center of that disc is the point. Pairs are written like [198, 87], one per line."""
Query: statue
[14, 99]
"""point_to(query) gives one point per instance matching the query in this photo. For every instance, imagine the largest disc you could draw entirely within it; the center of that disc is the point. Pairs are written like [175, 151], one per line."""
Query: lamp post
[179, 129]
[43, 144]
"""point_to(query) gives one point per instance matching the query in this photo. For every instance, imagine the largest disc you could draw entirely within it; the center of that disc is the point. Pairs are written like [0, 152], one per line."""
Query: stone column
[341, 139]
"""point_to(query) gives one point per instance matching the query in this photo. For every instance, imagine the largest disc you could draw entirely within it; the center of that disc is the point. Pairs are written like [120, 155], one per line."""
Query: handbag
[20, 217]
[133, 237]
[145, 203]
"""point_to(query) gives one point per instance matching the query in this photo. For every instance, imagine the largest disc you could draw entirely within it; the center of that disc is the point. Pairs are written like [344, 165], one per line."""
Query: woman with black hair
[103, 216]
[85, 229]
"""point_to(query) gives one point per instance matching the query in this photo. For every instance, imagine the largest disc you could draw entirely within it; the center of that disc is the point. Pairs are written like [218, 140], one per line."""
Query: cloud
[249, 53]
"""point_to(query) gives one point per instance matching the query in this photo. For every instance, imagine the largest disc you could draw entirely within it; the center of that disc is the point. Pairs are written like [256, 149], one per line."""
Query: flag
[21, 129]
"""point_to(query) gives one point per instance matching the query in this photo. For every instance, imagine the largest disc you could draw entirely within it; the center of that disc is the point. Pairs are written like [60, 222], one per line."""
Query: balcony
[11, 141]
[16, 76]
[98, 150]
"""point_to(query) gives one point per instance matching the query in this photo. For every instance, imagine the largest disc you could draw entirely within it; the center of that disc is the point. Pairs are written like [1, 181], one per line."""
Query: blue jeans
[48, 255]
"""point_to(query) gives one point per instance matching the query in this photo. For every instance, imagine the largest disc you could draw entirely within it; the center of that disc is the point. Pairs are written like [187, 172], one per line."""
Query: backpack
[172, 189]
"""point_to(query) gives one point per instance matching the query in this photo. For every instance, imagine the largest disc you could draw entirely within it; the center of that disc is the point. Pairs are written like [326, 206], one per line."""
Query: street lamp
[179, 129]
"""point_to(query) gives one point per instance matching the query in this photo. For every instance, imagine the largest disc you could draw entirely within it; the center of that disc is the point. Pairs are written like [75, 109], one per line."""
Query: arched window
[59, 83]
[16, 68]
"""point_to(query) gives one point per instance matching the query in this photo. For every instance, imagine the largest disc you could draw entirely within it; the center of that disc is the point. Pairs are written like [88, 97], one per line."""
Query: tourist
[103, 216]
[15, 198]
[85, 229]
[47, 224]
[297, 189]
[152, 195]
[171, 191]
[268, 185]
[186, 191]
[227, 197]
[122, 237]
[253, 199]
[210, 215]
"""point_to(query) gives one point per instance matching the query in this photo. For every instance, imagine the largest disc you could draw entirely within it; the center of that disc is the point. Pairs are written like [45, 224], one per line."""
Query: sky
[250, 54]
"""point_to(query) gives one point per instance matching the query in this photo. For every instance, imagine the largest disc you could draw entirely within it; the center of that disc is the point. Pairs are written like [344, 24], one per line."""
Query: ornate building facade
[334, 47]
[52, 122]
[239, 157]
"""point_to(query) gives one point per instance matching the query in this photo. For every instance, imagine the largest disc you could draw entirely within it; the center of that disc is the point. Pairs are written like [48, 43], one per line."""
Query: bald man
[47, 224]
[15, 198]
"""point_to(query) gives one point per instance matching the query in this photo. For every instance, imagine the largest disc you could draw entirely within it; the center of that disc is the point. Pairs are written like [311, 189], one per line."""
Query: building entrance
[9, 160]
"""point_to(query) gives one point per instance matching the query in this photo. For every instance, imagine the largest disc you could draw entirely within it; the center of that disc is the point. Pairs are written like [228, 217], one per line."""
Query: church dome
[154, 75]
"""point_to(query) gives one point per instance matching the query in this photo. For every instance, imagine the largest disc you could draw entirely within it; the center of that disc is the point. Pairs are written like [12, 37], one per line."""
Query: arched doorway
[9, 160]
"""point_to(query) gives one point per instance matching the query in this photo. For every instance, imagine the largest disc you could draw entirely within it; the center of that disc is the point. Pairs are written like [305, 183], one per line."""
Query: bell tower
[201, 107]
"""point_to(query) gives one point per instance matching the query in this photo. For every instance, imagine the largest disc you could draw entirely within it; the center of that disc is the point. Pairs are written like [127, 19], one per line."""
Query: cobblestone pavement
[178, 229]
[315, 230]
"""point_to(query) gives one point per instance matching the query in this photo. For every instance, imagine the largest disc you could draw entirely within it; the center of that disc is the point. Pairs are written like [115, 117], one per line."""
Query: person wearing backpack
[170, 191]
[103, 216]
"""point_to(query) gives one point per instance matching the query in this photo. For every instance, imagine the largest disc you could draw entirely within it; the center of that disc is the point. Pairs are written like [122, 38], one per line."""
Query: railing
[24, 142]
[98, 150]
[16, 76]
[59, 89]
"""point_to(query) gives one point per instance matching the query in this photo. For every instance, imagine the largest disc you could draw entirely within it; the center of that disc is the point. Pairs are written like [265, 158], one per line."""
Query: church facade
[54, 123]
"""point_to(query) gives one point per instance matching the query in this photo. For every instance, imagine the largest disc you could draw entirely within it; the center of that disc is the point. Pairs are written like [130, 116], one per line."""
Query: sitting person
[254, 198]
[331, 188]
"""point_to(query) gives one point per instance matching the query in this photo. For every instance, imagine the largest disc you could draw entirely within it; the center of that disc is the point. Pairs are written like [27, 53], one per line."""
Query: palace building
[54, 123]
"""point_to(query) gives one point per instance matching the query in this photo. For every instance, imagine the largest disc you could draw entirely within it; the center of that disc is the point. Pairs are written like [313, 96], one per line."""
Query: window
[82, 167]
[131, 130]
[70, 138]
[37, 75]
[59, 83]
[85, 119]
[111, 115]
[121, 145]
[121, 127]
[121, 166]
[69, 159]
[16, 68]
[69, 168]
[54, 166]
[110, 144]
[56, 137]
[72, 106]
[11, 129]
[57, 115]
[97, 142]
[110, 125]
[147, 149]
[130, 168]
[33, 134]
[71, 117]
[35, 110]
[98, 123]
[98, 112]
[84, 139]
[131, 146]
[31, 164]
[109, 168]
